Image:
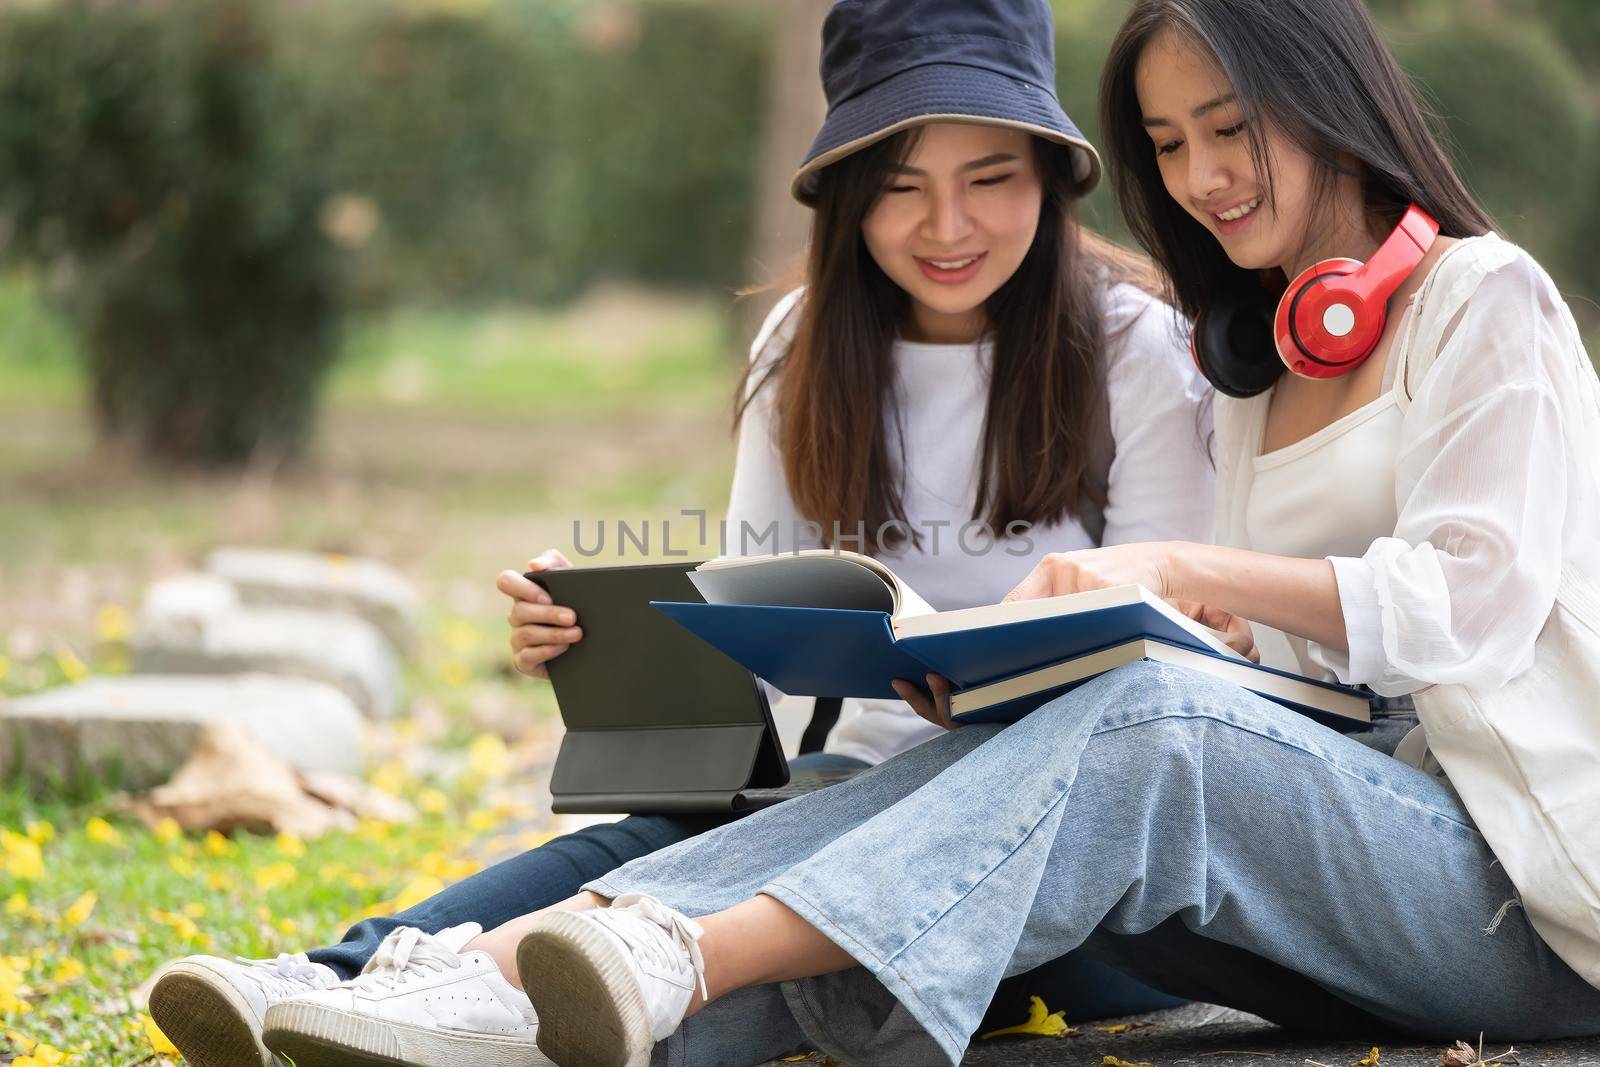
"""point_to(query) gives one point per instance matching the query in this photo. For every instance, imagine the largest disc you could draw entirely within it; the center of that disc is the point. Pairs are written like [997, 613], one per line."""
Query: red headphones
[1326, 323]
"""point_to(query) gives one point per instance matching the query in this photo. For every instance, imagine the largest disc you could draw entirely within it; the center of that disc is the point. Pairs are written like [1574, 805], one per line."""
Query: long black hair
[1315, 71]
[1046, 404]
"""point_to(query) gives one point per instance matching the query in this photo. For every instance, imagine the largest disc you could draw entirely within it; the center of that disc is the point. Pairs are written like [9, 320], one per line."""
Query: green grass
[158, 897]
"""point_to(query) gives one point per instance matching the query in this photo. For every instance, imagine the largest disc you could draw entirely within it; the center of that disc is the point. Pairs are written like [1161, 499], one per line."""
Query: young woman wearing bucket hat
[1409, 497]
[961, 356]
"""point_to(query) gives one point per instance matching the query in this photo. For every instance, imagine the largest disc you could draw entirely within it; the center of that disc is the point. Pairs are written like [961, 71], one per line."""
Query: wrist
[1180, 570]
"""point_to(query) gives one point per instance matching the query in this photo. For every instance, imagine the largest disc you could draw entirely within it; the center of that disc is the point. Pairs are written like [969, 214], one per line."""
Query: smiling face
[1201, 140]
[954, 222]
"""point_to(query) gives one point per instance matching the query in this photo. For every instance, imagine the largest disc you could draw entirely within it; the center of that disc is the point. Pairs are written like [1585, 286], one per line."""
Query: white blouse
[1484, 599]
[1159, 478]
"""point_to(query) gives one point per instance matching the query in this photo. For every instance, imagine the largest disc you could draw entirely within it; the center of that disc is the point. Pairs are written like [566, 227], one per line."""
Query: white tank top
[1350, 463]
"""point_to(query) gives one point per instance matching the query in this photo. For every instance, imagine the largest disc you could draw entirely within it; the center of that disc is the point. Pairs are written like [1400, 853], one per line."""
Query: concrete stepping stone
[373, 590]
[195, 624]
[143, 727]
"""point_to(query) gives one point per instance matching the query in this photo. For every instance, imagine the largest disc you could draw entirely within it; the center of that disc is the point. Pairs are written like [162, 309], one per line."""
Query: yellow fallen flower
[21, 857]
[79, 910]
[42, 1056]
[68, 970]
[1042, 1022]
[1371, 1059]
[1112, 1061]
[103, 833]
[275, 875]
[41, 831]
[158, 1041]
[12, 987]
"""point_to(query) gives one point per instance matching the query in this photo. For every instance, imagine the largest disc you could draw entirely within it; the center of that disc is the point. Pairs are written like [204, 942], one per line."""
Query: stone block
[193, 624]
[141, 728]
[373, 590]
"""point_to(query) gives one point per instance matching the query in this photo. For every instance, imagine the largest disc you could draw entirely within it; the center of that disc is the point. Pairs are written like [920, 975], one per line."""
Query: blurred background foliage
[202, 186]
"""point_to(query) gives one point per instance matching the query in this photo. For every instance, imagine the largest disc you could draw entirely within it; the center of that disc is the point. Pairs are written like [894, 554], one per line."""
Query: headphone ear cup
[1233, 342]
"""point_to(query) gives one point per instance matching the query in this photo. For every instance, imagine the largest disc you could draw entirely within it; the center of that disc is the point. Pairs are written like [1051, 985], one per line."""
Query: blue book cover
[829, 652]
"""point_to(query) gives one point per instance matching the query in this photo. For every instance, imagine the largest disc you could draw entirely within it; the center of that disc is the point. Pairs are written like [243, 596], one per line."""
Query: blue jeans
[1209, 842]
[557, 869]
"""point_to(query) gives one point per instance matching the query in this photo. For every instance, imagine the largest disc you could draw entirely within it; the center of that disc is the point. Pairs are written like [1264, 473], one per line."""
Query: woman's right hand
[540, 629]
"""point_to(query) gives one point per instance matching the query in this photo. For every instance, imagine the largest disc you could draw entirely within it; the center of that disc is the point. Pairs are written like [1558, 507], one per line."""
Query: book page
[945, 622]
[819, 578]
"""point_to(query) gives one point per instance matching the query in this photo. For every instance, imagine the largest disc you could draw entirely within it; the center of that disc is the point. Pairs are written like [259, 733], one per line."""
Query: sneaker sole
[206, 1019]
[591, 1013]
[311, 1035]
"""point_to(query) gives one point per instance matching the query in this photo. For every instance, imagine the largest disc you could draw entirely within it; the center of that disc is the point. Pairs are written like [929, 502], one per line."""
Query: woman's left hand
[932, 703]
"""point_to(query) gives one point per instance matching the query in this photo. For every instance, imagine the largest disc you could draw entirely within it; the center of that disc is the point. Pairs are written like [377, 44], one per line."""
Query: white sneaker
[420, 1001]
[211, 1008]
[610, 982]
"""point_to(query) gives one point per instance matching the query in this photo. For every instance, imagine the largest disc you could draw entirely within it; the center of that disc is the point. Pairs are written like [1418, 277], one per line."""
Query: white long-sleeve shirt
[1159, 483]
[1483, 597]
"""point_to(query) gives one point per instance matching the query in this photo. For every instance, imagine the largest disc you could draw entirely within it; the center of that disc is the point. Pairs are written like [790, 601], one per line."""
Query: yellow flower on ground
[20, 1042]
[41, 832]
[482, 821]
[221, 881]
[181, 866]
[158, 1041]
[22, 858]
[288, 927]
[1042, 1022]
[69, 970]
[290, 845]
[458, 634]
[42, 1056]
[217, 845]
[455, 673]
[488, 757]
[17, 904]
[1112, 1061]
[79, 911]
[374, 830]
[168, 830]
[111, 623]
[71, 666]
[451, 870]
[390, 777]
[432, 801]
[274, 875]
[416, 891]
[195, 910]
[103, 833]
[1371, 1059]
[181, 925]
[12, 987]
[120, 954]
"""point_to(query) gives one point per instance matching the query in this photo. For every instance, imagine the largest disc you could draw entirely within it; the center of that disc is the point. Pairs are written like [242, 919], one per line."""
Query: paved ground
[1203, 1035]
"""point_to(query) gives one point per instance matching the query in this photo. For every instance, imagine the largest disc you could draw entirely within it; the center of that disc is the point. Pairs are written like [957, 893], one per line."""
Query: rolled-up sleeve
[1462, 589]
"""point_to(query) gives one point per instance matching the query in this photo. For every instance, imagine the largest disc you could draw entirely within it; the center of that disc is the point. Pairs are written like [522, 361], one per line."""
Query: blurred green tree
[150, 166]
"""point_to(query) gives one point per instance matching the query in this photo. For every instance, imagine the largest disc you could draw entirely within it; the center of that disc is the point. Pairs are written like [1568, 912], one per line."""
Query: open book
[826, 623]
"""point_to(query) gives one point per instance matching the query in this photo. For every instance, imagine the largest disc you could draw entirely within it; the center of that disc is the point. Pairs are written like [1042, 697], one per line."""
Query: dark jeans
[557, 869]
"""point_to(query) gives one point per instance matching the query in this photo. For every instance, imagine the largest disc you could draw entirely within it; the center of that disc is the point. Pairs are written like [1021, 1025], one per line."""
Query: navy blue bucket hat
[891, 64]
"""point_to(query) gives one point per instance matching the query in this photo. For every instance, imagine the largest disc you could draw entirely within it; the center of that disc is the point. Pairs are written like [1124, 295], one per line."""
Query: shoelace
[406, 950]
[676, 934]
[287, 975]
